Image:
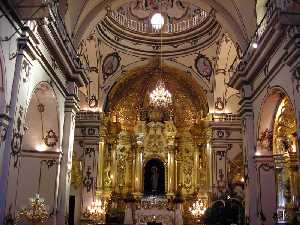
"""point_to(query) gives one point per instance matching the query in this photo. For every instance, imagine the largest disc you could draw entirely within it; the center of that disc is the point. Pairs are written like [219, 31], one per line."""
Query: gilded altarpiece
[123, 155]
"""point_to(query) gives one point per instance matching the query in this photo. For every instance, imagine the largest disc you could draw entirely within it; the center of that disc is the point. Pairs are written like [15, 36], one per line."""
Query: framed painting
[203, 66]
[110, 64]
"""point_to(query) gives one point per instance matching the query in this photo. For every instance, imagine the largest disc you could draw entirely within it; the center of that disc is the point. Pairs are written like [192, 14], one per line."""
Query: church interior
[149, 112]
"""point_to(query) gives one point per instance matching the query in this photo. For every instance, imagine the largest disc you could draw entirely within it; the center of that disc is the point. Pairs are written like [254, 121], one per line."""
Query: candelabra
[36, 213]
[198, 209]
[96, 212]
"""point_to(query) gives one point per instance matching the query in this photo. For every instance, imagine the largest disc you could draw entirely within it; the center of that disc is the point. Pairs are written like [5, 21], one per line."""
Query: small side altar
[155, 209]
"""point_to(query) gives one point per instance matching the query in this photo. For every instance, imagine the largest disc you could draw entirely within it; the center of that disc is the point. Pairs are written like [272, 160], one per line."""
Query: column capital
[71, 104]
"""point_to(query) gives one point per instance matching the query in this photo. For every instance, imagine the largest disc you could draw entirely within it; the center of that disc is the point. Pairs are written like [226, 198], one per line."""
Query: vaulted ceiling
[238, 17]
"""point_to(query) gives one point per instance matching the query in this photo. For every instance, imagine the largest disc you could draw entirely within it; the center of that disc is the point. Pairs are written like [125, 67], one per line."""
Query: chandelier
[198, 208]
[36, 213]
[160, 97]
[96, 211]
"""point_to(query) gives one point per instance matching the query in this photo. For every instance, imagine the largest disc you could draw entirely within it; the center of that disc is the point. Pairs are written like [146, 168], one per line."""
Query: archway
[38, 158]
[286, 161]
[277, 143]
[41, 122]
[154, 177]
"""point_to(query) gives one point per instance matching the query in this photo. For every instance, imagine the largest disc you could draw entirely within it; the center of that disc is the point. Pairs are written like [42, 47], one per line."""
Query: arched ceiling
[236, 17]
[131, 94]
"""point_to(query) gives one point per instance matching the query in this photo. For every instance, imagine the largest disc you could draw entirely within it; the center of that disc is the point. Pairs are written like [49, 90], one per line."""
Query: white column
[13, 115]
[251, 211]
[71, 108]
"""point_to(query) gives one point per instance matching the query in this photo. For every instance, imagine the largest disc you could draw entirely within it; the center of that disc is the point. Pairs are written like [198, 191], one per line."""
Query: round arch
[267, 116]
[120, 75]
[42, 120]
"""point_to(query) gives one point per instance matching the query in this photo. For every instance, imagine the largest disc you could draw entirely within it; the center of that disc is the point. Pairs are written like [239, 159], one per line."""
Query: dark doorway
[71, 210]
[154, 177]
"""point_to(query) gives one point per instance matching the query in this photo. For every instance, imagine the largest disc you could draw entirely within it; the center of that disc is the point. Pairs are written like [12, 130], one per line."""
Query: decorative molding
[16, 142]
[88, 180]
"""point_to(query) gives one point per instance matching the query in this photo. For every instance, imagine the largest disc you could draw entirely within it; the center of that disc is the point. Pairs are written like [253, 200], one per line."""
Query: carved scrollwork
[266, 140]
[3, 131]
[88, 180]
[16, 142]
[296, 76]
[26, 67]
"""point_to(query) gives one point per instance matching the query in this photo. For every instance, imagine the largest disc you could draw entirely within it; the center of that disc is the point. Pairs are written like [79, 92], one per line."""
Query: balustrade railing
[272, 6]
[133, 24]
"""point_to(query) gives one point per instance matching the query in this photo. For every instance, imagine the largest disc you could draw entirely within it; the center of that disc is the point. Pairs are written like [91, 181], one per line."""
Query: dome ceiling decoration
[130, 96]
[179, 15]
[186, 29]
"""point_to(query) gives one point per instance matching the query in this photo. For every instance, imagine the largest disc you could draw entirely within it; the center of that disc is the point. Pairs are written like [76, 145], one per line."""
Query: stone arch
[42, 120]
[277, 144]
[200, 81]
[266, 119]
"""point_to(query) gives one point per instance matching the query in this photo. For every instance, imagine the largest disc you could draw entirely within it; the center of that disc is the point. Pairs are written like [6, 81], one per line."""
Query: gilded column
[128, 171]
[196, 168]
[138, 170]
[101, 160]
[294, 179]
[114, 164]
[171, 171]
[139, 132]
[133, 172]
[125, 144]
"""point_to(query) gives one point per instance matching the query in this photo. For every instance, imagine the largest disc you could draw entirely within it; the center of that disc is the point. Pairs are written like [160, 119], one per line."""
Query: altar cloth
[164, 216]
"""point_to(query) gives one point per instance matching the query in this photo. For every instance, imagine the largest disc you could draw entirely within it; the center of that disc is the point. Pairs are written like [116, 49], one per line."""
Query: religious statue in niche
[203, 66]
[110, 64]
[154, 178]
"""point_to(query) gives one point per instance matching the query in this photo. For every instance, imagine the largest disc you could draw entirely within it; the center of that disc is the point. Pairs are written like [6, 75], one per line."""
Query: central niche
[154, 177]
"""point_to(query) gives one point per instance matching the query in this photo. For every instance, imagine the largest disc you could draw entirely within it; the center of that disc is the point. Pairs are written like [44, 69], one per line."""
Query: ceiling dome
[182, 28]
